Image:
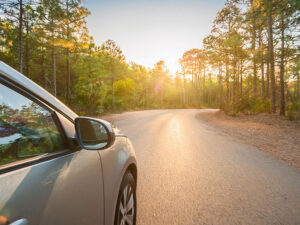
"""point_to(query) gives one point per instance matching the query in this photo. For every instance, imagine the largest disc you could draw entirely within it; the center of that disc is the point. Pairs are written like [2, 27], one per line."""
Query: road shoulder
[269, 133]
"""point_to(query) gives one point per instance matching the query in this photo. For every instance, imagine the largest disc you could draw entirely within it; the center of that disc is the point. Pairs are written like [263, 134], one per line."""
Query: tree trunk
[44, 71]
[254, 79]
[241, 82]
[238, 80]
[282, 97]
[234, 85]
[112, 85]
[262, 66]
[227, 82]
[53, 57]
[27, 49]
[298, 86]
[193, 89]
[268, 80]
[112, 93]
[253, 52]
[220, 84]
[271, 56]
[68, 58]
[203, 86]
[68, 77]
[184, 91]
[53, 71]
[21, 37]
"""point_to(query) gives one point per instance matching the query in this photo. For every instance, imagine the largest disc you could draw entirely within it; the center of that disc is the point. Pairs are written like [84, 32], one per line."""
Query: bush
[255, 106]
[247, 105]
[293, 112]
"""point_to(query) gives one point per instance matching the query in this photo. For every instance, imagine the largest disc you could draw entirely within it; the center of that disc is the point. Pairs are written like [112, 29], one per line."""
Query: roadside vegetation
[249, 63]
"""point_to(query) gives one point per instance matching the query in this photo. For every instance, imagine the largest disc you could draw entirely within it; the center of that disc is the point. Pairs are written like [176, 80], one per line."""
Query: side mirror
[94, 134]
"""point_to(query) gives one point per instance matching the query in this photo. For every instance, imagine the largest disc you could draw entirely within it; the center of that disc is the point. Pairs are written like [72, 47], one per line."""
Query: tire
[127, 193]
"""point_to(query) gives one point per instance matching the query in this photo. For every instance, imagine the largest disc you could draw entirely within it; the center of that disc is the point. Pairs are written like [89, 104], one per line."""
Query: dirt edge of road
[270, 133]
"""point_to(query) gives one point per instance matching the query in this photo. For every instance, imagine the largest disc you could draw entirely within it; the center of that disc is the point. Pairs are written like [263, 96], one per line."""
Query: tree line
[49, 42]
[252, 56]
[250, 61]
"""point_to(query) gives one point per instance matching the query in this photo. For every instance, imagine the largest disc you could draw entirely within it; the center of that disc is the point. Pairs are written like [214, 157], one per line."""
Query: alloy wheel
[126, 207]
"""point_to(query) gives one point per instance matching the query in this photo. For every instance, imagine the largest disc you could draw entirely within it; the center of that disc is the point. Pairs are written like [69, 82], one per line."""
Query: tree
[124, 91]
[50, 15]
[227, 72]
[226, 23]
[193, 64]
[114, 57]
[213, 47]
[14, 10]
[160, 79]
[253, 14]
[75, 35]
[287, 9]
[268, 5]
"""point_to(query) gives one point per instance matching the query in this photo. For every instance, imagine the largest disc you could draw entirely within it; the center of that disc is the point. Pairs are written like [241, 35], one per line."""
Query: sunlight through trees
[249, 63]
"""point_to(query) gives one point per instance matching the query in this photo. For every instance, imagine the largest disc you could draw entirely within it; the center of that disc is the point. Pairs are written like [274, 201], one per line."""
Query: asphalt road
[190, 174]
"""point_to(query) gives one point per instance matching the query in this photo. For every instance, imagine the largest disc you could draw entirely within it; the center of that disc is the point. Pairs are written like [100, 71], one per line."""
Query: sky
[151, 30]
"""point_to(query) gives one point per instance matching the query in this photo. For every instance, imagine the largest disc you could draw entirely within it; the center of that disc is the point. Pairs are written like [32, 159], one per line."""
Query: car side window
[26, 128]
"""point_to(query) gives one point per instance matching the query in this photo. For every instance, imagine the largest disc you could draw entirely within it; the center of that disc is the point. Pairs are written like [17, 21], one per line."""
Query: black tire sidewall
[127, 179]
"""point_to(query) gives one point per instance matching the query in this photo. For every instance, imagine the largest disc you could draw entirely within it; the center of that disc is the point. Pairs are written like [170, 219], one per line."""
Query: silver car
[58, 168]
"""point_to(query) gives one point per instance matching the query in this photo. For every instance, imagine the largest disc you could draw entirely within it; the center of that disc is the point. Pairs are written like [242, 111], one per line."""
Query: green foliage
[125, 90]
[254, 105]
[293, 112]
[59, 54]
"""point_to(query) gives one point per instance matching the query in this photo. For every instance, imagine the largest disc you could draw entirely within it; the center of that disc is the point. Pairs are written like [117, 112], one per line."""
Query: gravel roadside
[270, 133]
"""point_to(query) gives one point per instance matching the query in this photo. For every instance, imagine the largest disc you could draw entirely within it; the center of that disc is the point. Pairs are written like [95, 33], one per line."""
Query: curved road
[189, 174]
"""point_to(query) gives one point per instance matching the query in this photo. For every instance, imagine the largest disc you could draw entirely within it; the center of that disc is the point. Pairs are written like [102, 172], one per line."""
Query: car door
[42, 181]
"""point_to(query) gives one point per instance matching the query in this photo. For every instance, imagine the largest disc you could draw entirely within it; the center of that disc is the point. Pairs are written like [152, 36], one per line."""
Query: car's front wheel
[126, 205]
